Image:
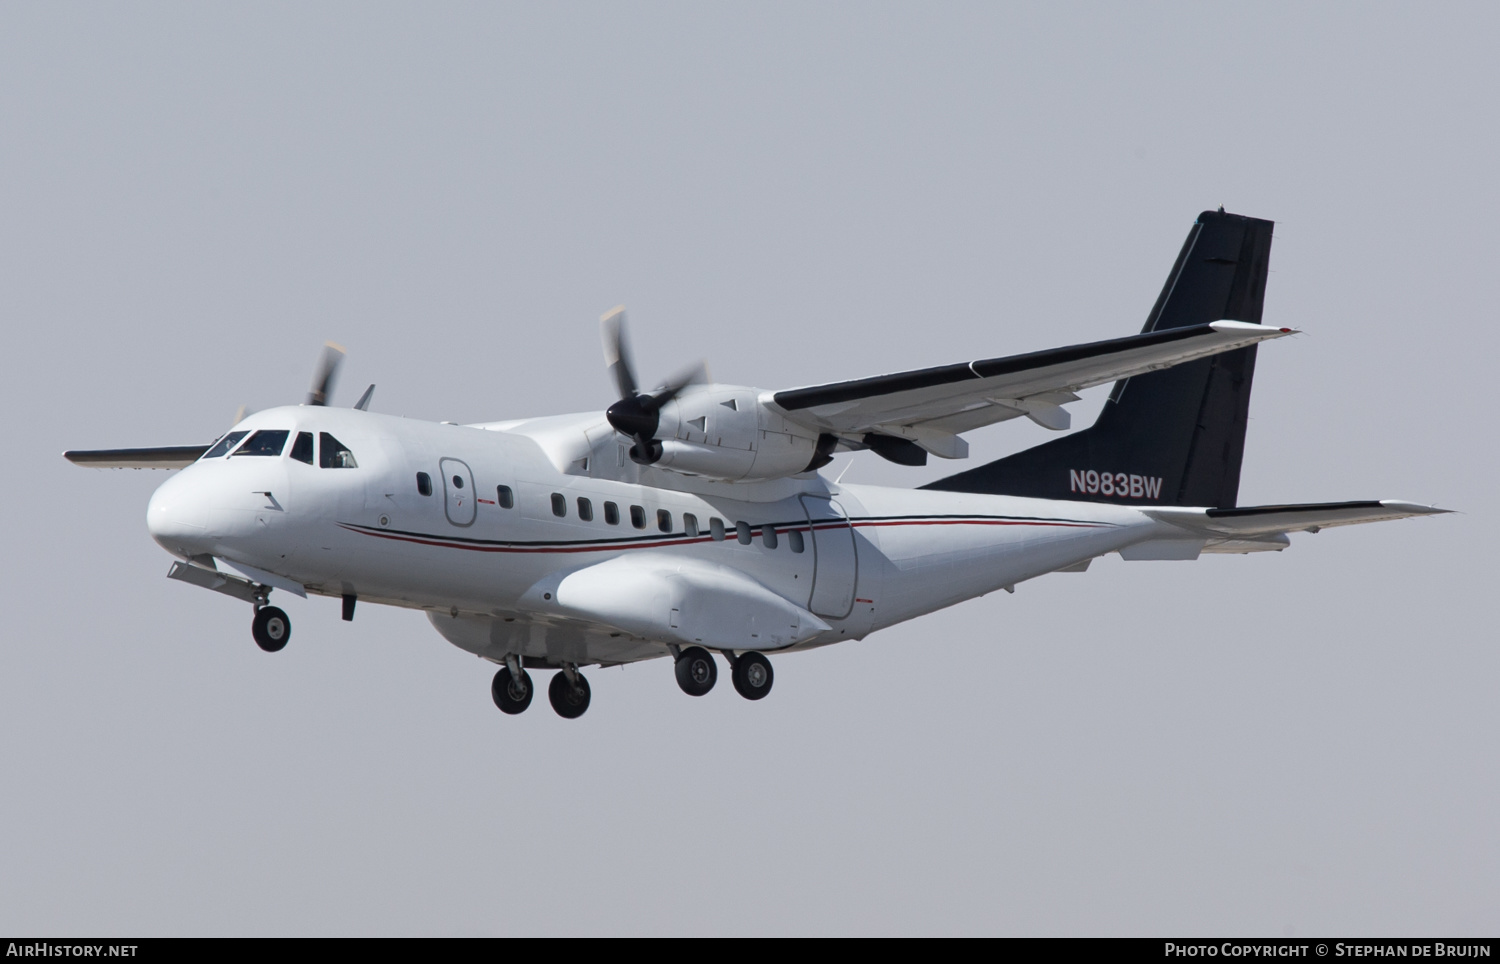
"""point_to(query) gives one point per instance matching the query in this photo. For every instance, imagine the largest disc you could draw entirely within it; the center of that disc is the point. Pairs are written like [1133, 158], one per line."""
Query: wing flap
[972, 394]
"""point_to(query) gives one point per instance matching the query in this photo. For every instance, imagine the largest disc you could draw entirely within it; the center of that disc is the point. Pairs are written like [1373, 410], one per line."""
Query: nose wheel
[271, 629]
[569, 697]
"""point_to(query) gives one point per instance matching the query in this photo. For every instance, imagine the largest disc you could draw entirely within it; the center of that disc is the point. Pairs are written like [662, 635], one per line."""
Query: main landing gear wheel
[271, 629]
[752, 676]
[696, 671]
[512, 695]
[569, 697]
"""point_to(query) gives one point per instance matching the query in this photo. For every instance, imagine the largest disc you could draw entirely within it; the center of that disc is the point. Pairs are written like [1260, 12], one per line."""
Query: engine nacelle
[725, 432]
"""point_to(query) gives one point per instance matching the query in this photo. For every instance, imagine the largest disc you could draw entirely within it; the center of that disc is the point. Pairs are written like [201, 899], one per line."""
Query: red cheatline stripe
[976, 522]
[593, 547]
[686, 541]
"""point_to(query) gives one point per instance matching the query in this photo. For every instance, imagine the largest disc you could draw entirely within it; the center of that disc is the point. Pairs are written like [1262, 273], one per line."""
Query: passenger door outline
[459, 502]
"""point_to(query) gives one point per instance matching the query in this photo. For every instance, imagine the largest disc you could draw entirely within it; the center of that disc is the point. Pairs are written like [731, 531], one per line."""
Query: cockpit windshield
[265, 442]
[224, 445]
[333, 454]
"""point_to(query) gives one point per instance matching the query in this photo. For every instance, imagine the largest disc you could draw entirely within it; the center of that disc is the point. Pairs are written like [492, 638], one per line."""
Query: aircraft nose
[175, 519]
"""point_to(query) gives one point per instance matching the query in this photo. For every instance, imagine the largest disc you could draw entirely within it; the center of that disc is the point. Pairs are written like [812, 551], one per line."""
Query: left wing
[161, 457]
[933, 406]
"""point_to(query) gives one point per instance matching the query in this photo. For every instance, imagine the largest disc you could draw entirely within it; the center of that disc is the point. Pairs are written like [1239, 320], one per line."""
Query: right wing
[932, 406]
[161, 457]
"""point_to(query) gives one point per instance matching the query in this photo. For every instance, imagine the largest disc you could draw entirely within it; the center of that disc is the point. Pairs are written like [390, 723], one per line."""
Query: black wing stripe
[1254, 510]
[800, 398]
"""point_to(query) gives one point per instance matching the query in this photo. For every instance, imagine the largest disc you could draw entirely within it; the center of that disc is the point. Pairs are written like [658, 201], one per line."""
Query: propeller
[638, 414]
[323, 378]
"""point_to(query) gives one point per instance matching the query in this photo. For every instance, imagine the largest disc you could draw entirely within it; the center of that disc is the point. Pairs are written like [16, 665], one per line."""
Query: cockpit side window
[224, 445]
[332, 454]
[302, 449]
[268, 441]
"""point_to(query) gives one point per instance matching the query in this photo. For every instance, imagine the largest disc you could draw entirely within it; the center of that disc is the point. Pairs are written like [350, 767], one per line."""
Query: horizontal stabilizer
[1260, 521]
[161, 457]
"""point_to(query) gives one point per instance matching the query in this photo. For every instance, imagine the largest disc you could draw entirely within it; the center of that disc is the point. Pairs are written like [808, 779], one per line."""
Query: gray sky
[193, 198]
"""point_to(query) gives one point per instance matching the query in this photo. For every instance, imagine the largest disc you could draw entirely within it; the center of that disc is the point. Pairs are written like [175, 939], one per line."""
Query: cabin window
[506, 496]
[716, 528]
[742, 532]
[638, 517]
[224, 444]
[585, 510]
[559, 505]
[333, 454]
[611, 513]
[794, 539]
[265, 442]
[768, 536]
[690, 524]
[663, 520]
[302, 449]
[424, 483]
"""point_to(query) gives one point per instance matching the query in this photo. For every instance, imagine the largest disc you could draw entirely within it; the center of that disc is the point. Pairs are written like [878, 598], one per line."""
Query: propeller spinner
[638, 414]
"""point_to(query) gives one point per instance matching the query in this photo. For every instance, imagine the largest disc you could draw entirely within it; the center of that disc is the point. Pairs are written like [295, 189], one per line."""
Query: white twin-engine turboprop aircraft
[692, 519]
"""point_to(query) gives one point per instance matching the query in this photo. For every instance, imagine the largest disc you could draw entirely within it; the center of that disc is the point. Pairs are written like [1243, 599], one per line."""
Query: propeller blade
[692, 375]
[364, 400]
[239, 416]
[617, 351]
[323, 378]
[635, 414]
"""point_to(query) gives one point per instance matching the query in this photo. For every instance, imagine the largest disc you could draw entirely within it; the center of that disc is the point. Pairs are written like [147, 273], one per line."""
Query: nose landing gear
[271, 629]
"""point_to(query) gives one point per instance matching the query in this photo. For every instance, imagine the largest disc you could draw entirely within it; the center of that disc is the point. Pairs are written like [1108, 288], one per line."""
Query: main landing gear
[512, 689]
[568, 692]
[752, 676]
[697, 672]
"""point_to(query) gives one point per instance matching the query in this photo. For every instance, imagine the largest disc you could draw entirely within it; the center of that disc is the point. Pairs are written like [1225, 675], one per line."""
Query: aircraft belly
[495, 637]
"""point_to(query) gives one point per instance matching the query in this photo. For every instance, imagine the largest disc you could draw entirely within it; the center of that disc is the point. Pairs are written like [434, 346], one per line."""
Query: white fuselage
[859, 558]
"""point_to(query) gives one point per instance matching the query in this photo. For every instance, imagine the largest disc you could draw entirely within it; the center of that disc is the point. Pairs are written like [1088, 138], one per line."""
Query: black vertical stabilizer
[1173, 437]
